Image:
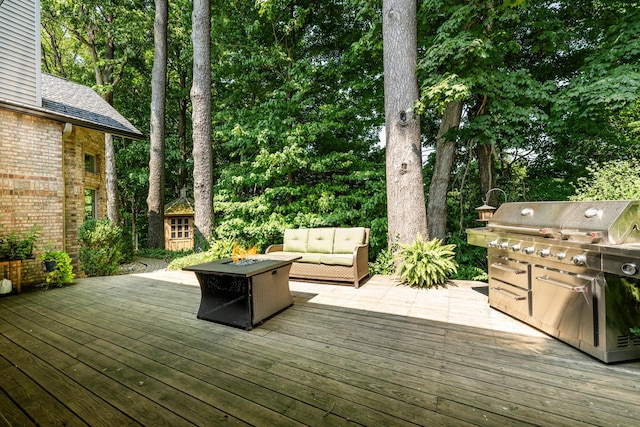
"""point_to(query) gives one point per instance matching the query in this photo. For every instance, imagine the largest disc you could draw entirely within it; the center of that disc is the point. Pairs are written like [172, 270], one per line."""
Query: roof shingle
[83, 105]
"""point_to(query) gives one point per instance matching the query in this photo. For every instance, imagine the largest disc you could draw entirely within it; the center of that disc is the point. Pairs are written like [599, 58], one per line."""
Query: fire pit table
[243, 294]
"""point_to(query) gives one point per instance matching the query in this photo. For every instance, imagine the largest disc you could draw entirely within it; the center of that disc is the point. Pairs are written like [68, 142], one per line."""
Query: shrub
[14, 246]
[613, 180]
[62, 273]
[385, 262]
[219, 249]
[426, 264]
[192, 259]
[164, 254]
[128, 250]
[100, 247]
[470, 272]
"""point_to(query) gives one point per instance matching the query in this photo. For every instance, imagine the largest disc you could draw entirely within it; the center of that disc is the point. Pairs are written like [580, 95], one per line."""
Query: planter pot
[49, 266]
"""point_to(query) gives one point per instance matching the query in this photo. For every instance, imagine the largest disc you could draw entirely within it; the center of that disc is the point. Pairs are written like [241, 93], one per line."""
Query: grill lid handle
[593, 213]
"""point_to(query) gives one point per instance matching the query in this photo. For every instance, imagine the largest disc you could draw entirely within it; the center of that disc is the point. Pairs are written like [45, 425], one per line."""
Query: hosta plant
[426, 264]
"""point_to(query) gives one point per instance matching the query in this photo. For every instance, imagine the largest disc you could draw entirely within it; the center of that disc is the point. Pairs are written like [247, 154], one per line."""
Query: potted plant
[16, 247]
[57, 266]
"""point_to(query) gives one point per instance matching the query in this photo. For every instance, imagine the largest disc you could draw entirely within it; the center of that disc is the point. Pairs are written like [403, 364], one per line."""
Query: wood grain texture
[129, 350]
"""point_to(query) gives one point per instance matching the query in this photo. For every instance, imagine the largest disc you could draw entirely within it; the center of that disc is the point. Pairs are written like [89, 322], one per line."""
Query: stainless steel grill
[570, 269]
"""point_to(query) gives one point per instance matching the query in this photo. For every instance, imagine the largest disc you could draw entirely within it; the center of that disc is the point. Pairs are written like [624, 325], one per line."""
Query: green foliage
[295, 125]
[163, 254]
[613, 180]
[127, 250]
[219, 249]
[297, 105]
[426, 264]
[470, 272]
[101, 244]
[62, 272]
[192, 259]
[471, 260]
[385, 262]
[19, 246]
[635, 331]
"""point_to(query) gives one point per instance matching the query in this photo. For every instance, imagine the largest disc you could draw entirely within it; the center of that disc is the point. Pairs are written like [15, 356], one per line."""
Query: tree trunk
[155, 199]
[406, 209]
[486, 170]
[439, 188]
[111, 179]
[201, 118]
[183, 105]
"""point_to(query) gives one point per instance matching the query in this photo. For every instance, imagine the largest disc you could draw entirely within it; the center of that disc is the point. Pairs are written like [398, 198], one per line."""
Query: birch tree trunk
[439, 188]
[155, 199]
[406, 209]
[201, 118]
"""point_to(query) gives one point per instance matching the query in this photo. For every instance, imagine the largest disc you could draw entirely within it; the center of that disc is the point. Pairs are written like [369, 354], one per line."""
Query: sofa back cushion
[321, 240]
[295, 240]
[346, 239]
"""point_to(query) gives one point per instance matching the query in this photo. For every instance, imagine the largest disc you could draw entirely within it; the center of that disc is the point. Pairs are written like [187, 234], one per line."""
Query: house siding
[19, 52]
[42, 185]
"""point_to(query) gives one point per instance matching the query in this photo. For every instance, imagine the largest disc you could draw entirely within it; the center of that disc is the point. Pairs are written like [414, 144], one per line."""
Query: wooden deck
[128, 350]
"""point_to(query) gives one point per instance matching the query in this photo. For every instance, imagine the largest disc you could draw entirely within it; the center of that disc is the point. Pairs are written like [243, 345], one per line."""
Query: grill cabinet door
[563, 305]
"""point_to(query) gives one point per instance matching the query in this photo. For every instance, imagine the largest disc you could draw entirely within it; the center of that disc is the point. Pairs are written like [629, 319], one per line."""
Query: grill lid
[608, 222]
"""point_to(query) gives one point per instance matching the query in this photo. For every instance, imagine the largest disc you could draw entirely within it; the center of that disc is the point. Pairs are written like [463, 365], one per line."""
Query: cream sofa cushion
[295, 240]
[337, 259]
[346, 239]
[321, 240]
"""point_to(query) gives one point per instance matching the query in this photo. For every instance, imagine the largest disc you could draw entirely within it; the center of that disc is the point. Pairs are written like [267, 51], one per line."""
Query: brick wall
[79, 142]
[38, 189]
[31, 183]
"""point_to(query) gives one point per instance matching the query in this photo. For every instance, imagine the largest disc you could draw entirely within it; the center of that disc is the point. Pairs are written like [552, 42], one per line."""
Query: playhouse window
[180, 228]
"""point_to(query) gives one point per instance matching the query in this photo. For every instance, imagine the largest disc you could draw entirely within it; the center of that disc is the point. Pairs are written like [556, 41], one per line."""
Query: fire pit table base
[243, 296]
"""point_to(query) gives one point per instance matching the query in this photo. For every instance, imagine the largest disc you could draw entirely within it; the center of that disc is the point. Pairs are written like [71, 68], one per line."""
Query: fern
[426, 264]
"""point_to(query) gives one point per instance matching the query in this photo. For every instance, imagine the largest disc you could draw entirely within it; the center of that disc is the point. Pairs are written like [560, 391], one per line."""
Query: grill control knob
[528, 250]
[629, 269]
[561, 255]
[579, 259]
[544, 252]
[516, 247]
[503, 245]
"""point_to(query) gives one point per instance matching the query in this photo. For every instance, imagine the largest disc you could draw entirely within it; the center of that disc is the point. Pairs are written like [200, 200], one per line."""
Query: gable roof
[70, 102]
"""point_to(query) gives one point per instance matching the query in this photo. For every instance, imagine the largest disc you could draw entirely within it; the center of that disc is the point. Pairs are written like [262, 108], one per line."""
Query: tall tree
[155, 199]
[405, 189]
[99, 26]
[296, 128]
[439, 187]
[201, 119]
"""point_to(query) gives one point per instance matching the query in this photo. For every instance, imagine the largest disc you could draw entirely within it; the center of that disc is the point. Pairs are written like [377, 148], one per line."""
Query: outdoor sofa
[339, 255]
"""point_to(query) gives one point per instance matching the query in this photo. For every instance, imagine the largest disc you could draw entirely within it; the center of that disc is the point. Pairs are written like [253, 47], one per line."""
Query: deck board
[129, 350]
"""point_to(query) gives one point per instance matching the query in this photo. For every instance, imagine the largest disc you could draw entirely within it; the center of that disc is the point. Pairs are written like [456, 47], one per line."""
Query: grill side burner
[570, 269]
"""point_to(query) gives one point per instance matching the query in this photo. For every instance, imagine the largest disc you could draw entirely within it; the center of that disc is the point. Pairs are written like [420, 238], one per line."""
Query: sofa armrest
[275, 248]
[361, 262]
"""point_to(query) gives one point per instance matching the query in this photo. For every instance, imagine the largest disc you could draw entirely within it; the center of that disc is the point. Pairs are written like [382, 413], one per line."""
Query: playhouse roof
[182, 205]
